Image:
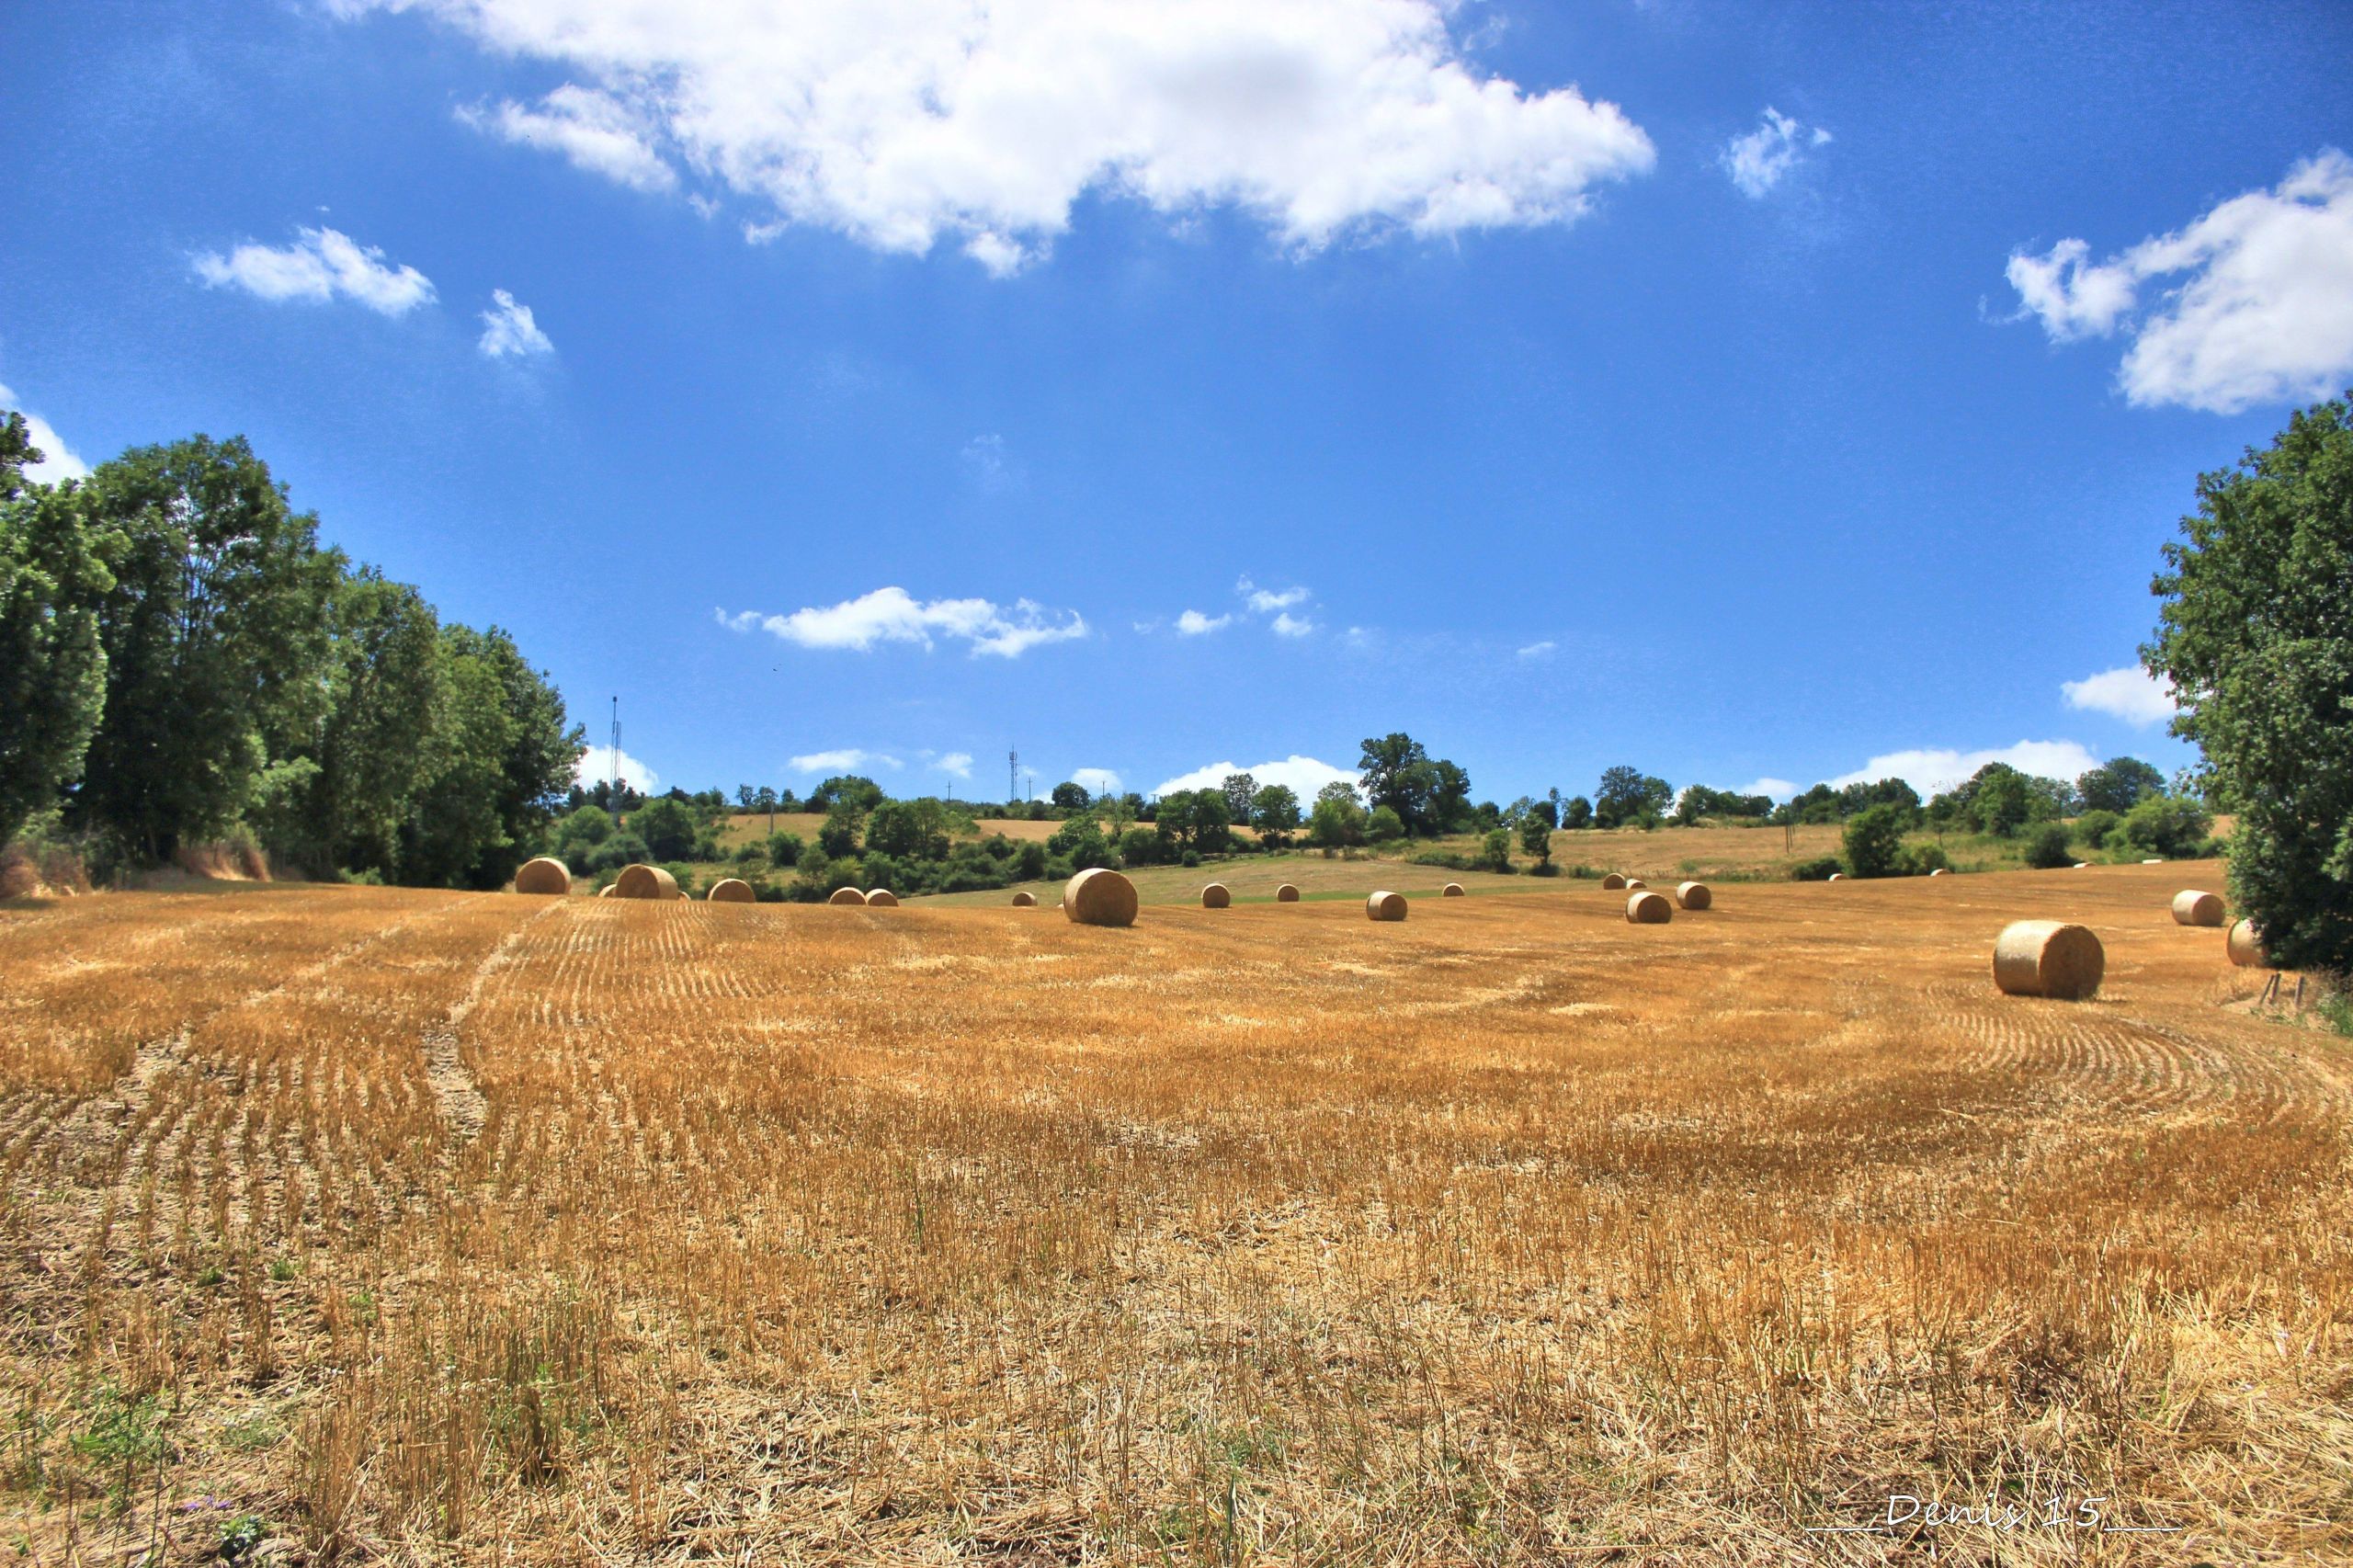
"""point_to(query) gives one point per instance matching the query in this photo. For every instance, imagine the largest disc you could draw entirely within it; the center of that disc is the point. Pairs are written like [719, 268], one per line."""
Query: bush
[1384, 825]
[784, 850]
[2047, 847]
[2167, 825]
[1815, 870]
[1192, 857]
[1922, 858]
[1029, 862]
[1495, 850]
[1874, 841]
[2092, 829]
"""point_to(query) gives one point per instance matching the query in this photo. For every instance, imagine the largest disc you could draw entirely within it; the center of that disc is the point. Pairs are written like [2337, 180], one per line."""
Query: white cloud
[1302, 775]
[899, 124]
[892, 615]
[1778, 788]
[595, 131]
[957, 764]
[1193, 623]
[57, 460]
[2129, 693]
[596, 763]
[1537, 651]
[1290, 625]
[1758, 161]
[319, 265]
[1264, 601]
[1934, 771]
[846, 759]
[2263, 311]
[508, 328]
[1095, 781]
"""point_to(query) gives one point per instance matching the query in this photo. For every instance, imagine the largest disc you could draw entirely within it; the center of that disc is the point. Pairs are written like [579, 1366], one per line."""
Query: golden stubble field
[387, 1225]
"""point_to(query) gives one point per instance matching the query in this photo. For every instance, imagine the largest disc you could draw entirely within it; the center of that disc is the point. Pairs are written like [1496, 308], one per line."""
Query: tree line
[182, 662]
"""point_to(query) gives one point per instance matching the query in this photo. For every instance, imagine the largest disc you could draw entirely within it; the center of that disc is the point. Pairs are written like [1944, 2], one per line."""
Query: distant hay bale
[2152, 861]
[1941, 871]
[605, 891]
[1215, 896]
[1451, 890]
[1385, 906]
[1025, 901]
[2048, 957]
[846, 895]
[1694, 895]
[645, 881]
[544, 874]
[2191, 907]
[1634, 883]
[1649, 909]
[1837, 876]
[1099, 897]
[729, 890]
[2083, 865]
[1612, 882]
[1286, 894]
[2246, 948]
[882, 898]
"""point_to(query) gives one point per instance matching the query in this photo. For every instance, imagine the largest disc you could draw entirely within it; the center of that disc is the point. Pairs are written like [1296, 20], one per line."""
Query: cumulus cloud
[1264, 601]
[955, 764]
[900, 125]
[1760, 160]
[57, 460]
[1778, 788]
[1302, 775]
[319, 266]
[844, 759]
[1193, 623]
[892, 615]
[2129, 693]
[1290, 625]
[508, 329]
[596, 763]
[2262, 311]
[594, 130]
[1934, 771]
[1537, 651]
[1095, 781]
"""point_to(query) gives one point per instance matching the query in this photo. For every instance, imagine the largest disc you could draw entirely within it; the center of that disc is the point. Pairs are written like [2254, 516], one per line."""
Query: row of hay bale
[2055, 959]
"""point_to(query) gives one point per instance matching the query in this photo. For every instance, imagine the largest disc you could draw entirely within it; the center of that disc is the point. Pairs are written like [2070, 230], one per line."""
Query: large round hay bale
[729, 890]
[2048, 957]
[1286, 894]
[544, 874]
[1649, 909]
[1385, 906]
[1694, 895]
[1215, 896]
[1099, 897]
[645, 881]
[1612, 882]
[882, 898]
[1451, 890]
[2246, 948]
[2191, 907]
[846, 895]
[1025, 901]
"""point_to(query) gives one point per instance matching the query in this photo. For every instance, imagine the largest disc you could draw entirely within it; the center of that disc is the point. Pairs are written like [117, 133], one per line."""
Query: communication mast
[1013, 776]
[613, 784]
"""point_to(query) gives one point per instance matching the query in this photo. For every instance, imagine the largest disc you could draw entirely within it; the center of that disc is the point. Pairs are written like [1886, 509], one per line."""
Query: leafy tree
[53, 573]
[2165, 825]
[667, 828]
[1139, 847]
[1494, 849]
[1080, 841]
[1275, 809]
[1382, 826]
[1241, 792]
[837, 834]
[745, 796]
[1874, 840]
[1577, 814]
[1536, 838]
[1450, 797]
[2119, 784]
[1395, 772]
[861, 792]
[502, 760]
[1336, 819]
[1628, 794]
[784, 850]
[1998, 800]
[2094, 826]
[1030, 861]
[909, 830]
[1070, 797]
[383, 730]
[2047, 847]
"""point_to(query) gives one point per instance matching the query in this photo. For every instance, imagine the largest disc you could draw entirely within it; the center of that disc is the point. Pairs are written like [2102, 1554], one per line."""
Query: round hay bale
[1612, 882]
[1451, 890]
[1649, 909]
[1099, 897]
[2048, 957]
[1025, 901]
[1286, 894]
[846, 895]
[1941, 871]
[605, 891]
[729, 890]
[2246, 948]
[2152, 861]
[882, 898]
[1694, 895]
[645, 881]
[1215, 896]
[544, 874]
[1385, 906]
[2083, 865]
[2191, 907]
[1837, 876]
[1635, 883]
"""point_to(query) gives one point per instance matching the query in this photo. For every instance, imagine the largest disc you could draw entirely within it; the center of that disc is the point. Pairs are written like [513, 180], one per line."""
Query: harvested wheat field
[485, 1229]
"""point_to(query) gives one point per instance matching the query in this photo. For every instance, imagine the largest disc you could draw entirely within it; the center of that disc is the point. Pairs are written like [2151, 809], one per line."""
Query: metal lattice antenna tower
[1013, 776]
[613, 784]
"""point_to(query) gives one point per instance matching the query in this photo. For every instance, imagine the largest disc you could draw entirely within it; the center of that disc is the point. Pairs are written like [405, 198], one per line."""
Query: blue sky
[1745, 393]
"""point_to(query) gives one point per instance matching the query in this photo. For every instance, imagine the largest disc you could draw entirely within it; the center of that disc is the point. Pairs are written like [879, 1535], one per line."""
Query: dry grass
[501, 1230]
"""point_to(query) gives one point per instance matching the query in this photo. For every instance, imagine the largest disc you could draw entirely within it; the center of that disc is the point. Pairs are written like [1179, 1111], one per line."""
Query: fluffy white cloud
[2129, 693]
[2263, 311]
[508, 329]
[846, 759]
[595, 131]
[1538, 651]
[1290, 625]
[1778, 788]
[1303, 775]
[1095, 781]
[320, 264]
[1933, 771]
[57, 460]
[1193, 623]
[1263, 601]
[900, 123]
[892, 615]
[596, 763]
[1758, 161]
[955, 764]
